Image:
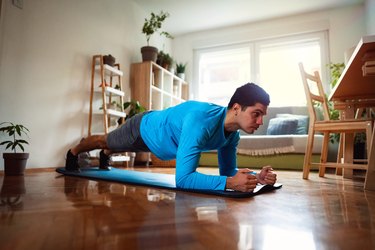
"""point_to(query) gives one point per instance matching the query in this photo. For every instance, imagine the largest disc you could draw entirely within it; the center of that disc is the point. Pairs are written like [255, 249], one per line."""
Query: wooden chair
[315, 94]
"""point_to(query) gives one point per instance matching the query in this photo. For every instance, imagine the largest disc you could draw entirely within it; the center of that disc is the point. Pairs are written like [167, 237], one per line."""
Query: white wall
[45, 58]
[345, 25]
[370, 17]
[46, 50]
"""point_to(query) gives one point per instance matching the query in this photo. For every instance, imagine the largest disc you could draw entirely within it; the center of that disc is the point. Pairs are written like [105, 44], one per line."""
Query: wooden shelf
[116, 113]
[109, 90]
[111, 112]
[155, 87]
[109, 70]
[103, 73]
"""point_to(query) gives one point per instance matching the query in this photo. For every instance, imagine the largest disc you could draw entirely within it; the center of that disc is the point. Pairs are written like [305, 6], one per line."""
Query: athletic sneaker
[104, 161]
[71, 163]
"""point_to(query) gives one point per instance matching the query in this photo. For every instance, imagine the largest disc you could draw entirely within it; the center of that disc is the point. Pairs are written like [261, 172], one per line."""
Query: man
[186, 130]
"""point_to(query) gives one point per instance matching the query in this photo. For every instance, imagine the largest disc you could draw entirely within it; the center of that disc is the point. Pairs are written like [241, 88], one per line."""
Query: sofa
[279, 142]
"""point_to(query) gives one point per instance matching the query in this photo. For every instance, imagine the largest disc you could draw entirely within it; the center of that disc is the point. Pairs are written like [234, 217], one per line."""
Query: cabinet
[155, 87]
[106, 96]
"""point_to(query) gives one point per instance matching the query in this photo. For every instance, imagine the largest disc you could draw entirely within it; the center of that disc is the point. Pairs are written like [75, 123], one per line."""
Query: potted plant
[150, 27]
[14, 163]
[164, 60]
[336, 71]
[133, 107]
[180, 70]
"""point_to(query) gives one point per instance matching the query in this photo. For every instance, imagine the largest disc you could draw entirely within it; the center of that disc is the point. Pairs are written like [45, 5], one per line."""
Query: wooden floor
[44, 210]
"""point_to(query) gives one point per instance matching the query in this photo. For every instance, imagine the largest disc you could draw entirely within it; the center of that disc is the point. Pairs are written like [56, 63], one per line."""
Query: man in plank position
[184, 131]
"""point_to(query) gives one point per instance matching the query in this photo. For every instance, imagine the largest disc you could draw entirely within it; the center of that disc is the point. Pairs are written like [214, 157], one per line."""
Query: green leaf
[22, 148]
[22, 141]
[9, 145]
[126, 105]
[18, 130]
[12, 130]
[5, 142]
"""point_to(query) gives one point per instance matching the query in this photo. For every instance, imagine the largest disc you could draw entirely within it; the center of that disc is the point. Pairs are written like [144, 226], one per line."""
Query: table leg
[370, 174]
[348, 154]
[348, 143]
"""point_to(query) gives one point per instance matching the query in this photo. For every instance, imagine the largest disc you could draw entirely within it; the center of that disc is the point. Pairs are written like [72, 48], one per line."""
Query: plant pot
[181, 75]
[15, 163]
[166, 66]
[109, 59]
[142, 159]
[149, 53]
[132, 156]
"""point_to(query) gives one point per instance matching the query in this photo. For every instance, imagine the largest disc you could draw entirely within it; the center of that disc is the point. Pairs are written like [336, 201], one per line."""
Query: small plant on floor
[14, 130]
[134, 108]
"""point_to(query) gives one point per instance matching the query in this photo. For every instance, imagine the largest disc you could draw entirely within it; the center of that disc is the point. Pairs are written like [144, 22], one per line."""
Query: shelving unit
[155, 87]
[106, 90]
[106, 96]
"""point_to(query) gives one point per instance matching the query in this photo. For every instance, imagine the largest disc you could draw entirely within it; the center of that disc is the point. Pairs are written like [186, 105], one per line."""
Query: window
[221, 72]
[273, 64]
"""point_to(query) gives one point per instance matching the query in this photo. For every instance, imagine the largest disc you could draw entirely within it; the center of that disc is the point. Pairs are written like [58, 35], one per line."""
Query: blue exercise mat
[157, 180]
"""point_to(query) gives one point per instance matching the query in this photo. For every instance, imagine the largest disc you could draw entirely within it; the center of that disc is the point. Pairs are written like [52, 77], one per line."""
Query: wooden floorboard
[44, 210]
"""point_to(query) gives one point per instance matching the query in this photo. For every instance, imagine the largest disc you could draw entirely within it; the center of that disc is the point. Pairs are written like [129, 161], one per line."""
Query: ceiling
[196, 15]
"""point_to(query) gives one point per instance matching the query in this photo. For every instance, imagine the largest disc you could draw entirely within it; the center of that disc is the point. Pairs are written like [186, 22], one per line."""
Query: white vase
[181, 75]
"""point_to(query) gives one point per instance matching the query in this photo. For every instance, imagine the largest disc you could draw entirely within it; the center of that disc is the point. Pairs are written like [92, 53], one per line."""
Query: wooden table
[356, 89]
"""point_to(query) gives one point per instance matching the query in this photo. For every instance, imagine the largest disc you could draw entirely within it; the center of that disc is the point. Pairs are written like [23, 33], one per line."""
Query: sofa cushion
[282, 126]
[303, 122]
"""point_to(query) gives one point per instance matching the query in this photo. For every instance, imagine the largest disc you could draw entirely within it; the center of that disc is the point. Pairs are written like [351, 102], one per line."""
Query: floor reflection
[286, 238]
[57, 212]
[137, 216]
[12, 191]
[159, 195]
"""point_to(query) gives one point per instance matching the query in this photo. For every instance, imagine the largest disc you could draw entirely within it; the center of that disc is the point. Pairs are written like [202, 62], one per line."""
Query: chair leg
[308, 154]
[324, 155]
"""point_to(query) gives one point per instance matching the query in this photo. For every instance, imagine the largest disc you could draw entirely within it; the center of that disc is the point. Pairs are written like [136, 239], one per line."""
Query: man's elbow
[183, 182]
[180, 183]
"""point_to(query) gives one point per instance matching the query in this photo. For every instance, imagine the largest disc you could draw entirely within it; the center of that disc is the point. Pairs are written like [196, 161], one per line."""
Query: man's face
[251, 118]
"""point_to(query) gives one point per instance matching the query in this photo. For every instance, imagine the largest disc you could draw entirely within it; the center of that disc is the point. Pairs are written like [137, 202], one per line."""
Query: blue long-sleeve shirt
[183, 132]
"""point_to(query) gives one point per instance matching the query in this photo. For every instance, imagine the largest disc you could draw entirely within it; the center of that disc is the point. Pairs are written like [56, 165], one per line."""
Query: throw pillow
[282, 126]
[303, 122]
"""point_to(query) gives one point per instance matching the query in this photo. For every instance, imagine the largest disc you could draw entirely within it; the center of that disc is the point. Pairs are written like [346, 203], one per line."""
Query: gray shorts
[127, 137]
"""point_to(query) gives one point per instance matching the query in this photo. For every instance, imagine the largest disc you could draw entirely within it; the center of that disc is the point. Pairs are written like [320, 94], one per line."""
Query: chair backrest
[315, 95]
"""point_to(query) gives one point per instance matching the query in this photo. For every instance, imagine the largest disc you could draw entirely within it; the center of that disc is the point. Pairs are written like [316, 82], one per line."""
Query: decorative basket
[156, 162]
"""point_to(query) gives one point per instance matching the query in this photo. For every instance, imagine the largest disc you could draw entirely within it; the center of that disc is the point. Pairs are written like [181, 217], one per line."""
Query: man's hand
[242, 181]
[267, 176]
